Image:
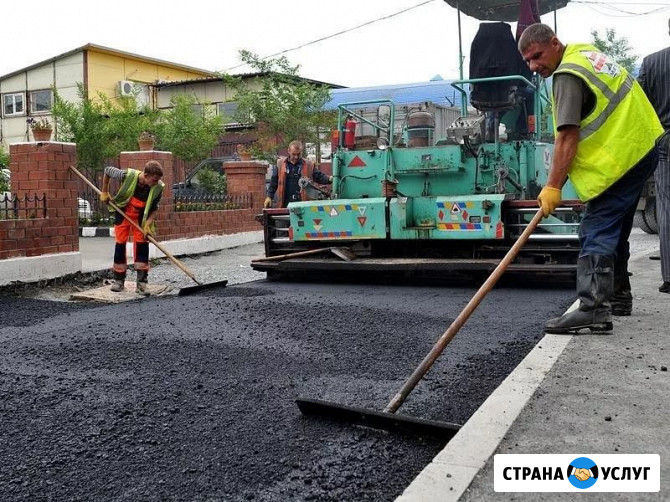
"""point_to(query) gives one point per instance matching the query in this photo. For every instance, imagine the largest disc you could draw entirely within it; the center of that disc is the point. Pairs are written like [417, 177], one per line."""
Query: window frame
[32, 102]
[15, 113]
[222, 105]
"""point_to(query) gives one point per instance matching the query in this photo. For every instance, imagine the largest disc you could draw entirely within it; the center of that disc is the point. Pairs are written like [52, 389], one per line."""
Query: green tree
[615, 47]
[189, 129]
[4, 164]
[4, 157]
[101, 128]
[284, 106]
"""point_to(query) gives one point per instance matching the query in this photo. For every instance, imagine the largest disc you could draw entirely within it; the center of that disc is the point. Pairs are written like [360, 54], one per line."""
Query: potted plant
[41, 128]
[146, 141]
[243, 152]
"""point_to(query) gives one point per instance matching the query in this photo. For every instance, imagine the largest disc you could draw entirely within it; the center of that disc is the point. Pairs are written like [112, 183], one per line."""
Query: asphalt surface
[192, 398]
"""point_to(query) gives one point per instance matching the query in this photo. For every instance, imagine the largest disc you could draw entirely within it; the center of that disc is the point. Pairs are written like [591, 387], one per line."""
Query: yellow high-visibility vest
[621, 129]
[127, 190]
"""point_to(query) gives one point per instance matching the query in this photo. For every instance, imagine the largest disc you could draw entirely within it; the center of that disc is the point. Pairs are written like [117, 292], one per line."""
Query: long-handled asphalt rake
[388, 419]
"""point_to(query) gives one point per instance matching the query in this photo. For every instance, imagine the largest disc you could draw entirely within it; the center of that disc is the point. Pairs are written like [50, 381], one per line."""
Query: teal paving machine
[409, 197]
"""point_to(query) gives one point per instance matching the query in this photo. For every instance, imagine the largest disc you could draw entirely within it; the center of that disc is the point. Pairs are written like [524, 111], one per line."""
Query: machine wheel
[648, 222]
[639, 222]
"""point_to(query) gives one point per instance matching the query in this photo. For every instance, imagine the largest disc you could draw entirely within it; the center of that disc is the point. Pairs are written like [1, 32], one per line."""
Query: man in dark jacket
[286, 174]
[654, 77]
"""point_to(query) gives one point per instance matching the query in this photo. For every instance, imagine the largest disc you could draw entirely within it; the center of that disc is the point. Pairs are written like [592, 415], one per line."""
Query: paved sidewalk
[602, 395]
[97, 253]
[232, 264]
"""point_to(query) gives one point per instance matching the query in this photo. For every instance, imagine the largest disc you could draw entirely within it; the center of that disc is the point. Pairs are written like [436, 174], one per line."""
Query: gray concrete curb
[96, 231]
[453, 469]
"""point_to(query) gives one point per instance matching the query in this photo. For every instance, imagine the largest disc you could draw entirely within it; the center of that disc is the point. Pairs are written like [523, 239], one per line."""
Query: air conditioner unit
[126, 88]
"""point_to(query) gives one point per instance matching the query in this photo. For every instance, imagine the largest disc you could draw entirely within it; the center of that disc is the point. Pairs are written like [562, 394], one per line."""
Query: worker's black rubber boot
[595, 281]
[622, 299]
[118, 283]
[142, 282]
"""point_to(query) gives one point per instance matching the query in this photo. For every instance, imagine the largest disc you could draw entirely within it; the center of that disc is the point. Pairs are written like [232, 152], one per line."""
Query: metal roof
[201, 80]
[108, 50]
[438, 92]
[501, 10]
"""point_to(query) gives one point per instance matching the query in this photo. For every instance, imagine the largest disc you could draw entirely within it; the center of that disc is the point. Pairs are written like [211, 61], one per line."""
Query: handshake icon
[582, 474]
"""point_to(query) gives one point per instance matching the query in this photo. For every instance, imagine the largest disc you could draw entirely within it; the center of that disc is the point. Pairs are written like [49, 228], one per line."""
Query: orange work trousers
[122, 230]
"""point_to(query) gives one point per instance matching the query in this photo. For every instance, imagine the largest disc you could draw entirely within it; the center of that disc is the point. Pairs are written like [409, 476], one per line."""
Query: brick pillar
[247, 177]
[137, 160]
[44, 168]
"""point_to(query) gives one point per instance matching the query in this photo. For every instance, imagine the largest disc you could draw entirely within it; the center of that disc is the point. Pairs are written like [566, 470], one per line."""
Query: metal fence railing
[92, 211]
[13, 207]
[212, 202]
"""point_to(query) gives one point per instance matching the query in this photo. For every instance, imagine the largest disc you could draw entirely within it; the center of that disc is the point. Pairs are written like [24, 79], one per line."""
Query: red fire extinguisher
[349, 132]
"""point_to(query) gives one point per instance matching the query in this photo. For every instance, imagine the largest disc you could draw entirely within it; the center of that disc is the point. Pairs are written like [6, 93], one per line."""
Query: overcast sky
[413, 46]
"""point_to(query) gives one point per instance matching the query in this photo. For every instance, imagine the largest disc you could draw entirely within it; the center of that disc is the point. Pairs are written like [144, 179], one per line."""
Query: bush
[212, 181]
[4, 171]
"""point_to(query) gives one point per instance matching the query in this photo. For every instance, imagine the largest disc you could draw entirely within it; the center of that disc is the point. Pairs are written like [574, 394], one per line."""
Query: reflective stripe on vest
[614, 98]
[127, 189]
[619, 131]
[306, 172]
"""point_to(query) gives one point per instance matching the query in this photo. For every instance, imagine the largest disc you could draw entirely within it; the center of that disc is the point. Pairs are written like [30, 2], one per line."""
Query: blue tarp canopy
[438, 92]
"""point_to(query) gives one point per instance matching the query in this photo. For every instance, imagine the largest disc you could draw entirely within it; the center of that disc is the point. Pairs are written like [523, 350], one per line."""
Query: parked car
[191, 184]
[85, 212]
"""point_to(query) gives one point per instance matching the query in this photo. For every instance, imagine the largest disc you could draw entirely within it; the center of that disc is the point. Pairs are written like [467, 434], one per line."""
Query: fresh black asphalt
[192, 398]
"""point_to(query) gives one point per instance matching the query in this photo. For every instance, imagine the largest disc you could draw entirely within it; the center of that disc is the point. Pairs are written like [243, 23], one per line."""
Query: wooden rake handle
[458, 323]
[136, 226]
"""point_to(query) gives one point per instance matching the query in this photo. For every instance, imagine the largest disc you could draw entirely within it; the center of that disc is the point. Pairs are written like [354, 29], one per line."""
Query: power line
[667, 4]
[615, 12]
[621, 12]
[368, 23]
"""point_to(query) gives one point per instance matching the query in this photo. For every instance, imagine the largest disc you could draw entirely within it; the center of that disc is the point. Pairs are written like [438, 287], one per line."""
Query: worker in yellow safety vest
[138, 196]
[605, 135]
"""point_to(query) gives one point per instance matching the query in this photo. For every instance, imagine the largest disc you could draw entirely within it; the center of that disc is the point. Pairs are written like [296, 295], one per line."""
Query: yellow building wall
[106, 70]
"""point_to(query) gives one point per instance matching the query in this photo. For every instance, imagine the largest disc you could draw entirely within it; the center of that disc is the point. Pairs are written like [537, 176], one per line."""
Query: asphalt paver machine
[410, 196]
[463, 195]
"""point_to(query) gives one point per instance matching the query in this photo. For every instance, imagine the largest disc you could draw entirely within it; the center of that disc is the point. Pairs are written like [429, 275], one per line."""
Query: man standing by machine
[606, 131]
[286, 176]
[138, 196]
[654, 78]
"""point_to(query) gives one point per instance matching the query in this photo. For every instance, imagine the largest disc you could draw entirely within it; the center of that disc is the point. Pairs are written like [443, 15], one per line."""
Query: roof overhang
[501, 10]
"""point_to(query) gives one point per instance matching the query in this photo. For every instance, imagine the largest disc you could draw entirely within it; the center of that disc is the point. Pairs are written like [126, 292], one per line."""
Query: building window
[227, 109]
[40, 101]
[12, 104]
[198, 110]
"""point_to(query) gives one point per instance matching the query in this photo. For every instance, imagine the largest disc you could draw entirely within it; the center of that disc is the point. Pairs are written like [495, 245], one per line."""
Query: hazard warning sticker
[333, 212]
[356, 162]
[455, 208]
